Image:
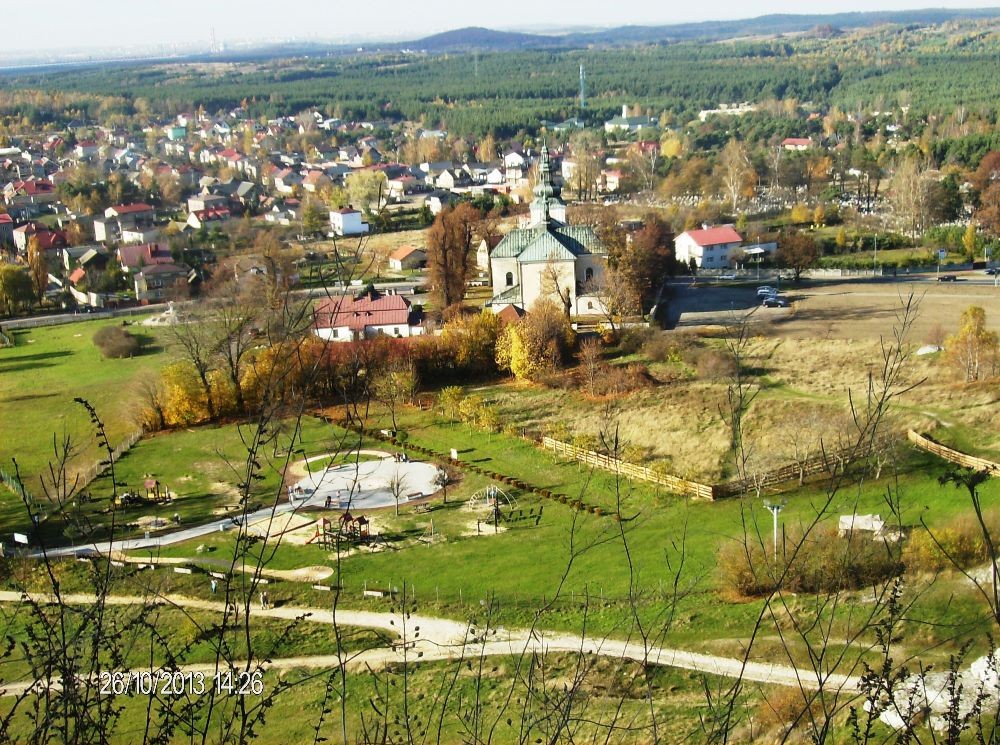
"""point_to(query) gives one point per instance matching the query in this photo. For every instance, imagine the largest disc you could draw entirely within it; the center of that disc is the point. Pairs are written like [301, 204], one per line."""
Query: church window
[589, 274]
[510, 279]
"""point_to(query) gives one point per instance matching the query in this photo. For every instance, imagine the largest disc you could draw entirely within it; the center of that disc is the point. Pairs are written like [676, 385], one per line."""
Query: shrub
[961, 540]
[826, 562]
[711, 364]
[617, 380]
[672, 347]
[633, 339]
[115, 342]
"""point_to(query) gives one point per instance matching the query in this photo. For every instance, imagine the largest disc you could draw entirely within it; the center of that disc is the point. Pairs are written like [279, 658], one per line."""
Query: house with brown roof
[133, 258]
[159, 282]
[408, 257]
[373, 314]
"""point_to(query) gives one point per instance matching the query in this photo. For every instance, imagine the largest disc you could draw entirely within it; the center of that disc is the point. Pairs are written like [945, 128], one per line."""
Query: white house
[548, 258]
[347, 221]
[709, 247]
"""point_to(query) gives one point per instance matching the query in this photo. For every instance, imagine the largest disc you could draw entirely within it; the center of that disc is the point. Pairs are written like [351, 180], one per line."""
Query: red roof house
[373, 314]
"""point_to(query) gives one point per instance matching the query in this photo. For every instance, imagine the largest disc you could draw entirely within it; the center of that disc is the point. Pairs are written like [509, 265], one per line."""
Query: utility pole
[774, 509]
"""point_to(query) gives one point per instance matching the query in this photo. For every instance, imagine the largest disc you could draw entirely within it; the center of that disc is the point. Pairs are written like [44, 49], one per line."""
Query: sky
[122, 24]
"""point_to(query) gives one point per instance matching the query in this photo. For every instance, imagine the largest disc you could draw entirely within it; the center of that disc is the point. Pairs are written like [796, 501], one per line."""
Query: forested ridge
[929, 69]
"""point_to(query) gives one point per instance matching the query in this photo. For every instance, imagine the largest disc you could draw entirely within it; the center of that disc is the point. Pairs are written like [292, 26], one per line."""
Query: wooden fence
[955, 456]
[826, 463]
[616, 465]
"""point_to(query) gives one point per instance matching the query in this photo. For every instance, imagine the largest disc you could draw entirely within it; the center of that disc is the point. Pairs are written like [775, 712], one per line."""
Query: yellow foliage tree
[800, 214]
[973, 351]
[183, 397]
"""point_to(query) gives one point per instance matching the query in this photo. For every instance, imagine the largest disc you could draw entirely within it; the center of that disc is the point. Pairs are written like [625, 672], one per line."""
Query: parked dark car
[947, 278]
[774, 302]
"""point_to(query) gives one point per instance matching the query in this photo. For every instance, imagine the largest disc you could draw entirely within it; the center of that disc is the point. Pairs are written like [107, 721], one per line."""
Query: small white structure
[860, 523]
[709, 247]
[347, 221]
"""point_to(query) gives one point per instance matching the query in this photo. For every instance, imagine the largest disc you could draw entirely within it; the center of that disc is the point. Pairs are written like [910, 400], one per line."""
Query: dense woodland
[927, 70]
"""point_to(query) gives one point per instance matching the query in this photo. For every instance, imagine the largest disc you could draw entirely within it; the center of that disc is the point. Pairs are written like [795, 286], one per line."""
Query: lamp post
[774, 509]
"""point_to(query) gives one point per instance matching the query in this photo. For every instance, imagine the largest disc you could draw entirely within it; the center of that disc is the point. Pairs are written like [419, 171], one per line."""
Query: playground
[388, 480]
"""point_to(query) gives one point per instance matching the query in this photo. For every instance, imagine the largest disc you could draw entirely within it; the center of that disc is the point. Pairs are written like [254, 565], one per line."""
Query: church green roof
[549, 242]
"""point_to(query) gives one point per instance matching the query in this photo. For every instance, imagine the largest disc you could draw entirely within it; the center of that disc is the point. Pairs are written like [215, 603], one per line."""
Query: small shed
[408, 257]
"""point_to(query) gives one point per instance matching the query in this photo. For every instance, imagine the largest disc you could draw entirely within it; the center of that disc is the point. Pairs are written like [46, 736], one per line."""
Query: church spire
[543, 189]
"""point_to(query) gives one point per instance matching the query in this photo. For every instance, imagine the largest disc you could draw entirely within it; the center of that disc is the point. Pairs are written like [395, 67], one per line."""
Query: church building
[548, 258]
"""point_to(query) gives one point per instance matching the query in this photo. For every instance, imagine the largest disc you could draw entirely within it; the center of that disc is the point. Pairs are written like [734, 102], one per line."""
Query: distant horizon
[114, 26]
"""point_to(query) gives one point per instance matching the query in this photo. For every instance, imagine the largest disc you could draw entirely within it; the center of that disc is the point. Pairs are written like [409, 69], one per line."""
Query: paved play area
[363, 485]
[367, 484]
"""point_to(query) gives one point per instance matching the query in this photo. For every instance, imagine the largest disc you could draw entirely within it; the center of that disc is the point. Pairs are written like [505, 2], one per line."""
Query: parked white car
[766, 291]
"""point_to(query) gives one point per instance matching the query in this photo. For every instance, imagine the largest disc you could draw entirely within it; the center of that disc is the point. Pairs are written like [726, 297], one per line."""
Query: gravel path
[444, 639]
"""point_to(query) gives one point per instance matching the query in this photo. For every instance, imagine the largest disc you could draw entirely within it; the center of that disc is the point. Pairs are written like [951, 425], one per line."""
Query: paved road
[167, 539]
[444, 639]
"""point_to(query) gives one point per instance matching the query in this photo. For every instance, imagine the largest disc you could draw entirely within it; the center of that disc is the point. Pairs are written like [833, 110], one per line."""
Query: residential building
[407, 257]
[159, 282]
[625, 124]
[373, 314]
[347, 221]
[710, 247]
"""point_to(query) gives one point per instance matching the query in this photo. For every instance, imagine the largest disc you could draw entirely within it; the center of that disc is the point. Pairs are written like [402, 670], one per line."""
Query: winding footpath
[430, 639]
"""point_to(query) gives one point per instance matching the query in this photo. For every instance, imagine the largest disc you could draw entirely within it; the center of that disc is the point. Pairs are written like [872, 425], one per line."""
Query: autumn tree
[641, 164]
[38, 267]
[735, 172]
[912, 194]
[987, 172]
[16, 290]
[395, 384]
[471, 341]
[970, 241]
[591, 358]
[798, 252]
[233, 314]
[585, 144]
[536, 344]
[988, 214]
[449, 245]
[973, 351]
[196, 346]
[367, 189]
[315, 217]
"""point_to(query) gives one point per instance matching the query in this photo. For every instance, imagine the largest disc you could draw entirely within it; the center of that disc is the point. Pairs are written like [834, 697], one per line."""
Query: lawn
[520, 567]
[46, 369]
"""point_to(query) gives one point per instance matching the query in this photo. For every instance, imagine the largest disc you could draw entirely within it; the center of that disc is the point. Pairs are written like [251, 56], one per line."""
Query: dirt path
[302, 574]
[444, 639]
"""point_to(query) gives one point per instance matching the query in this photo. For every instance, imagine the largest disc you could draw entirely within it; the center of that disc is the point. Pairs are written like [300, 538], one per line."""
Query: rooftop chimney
[624, 110]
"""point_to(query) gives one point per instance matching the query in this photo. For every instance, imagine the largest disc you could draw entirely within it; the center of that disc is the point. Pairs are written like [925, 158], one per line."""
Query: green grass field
[46, 369]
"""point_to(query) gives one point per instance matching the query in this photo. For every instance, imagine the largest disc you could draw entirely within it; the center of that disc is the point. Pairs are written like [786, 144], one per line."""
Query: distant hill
[475, 37]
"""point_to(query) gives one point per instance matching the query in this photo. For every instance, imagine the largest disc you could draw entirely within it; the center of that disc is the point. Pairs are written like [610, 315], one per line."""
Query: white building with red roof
[709, 247]
[373, 314]
[347, 221]
[797, 143]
